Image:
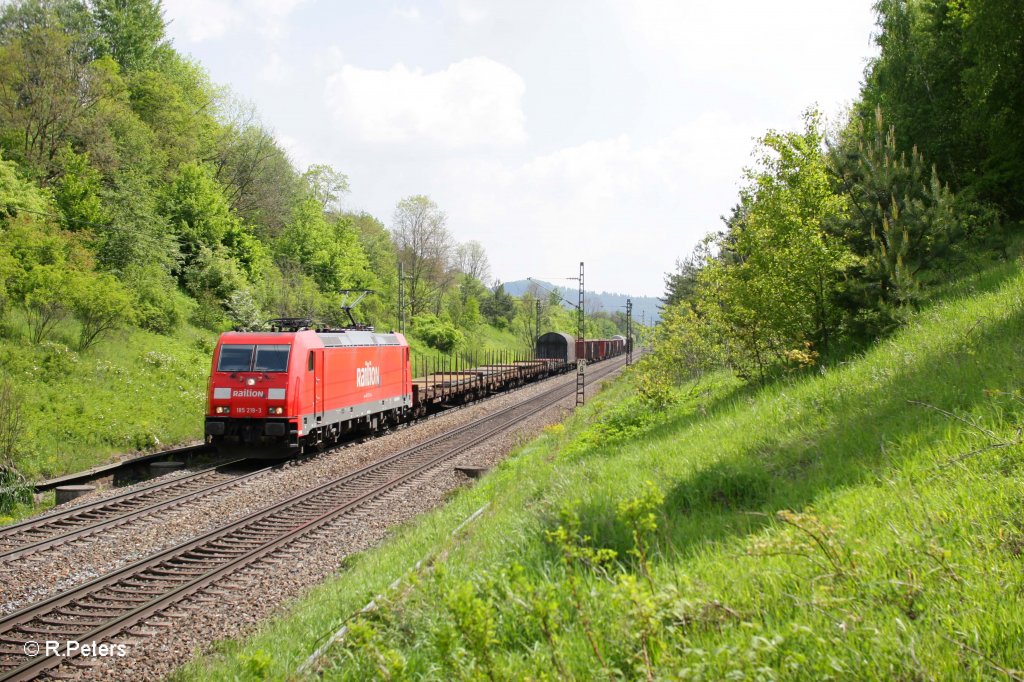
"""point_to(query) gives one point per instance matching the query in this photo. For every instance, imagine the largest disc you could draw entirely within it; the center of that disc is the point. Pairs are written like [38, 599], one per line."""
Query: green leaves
[77, 192]
[770, 290]
[101, 304]
[900, 227]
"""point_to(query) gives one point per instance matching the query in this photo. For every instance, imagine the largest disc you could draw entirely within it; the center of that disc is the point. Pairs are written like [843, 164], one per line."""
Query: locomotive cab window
[312, 361]
[235, 358]
[271, 358]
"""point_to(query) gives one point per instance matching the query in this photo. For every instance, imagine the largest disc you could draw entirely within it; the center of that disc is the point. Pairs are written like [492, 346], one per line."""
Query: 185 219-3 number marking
[248, 410]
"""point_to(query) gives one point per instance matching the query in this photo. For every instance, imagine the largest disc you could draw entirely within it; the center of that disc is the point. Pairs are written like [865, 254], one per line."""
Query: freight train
[276, 394]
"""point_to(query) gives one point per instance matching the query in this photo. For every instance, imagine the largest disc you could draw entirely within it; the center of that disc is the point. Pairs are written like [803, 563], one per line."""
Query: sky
[613, 132]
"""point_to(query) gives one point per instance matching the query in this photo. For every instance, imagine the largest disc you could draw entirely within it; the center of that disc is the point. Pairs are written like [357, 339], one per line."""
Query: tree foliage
[131, 31]
[102, 305]
[948, 77]
[136, 192]
[425, 248]
[775, 293]
[827, 251]
[902, 221]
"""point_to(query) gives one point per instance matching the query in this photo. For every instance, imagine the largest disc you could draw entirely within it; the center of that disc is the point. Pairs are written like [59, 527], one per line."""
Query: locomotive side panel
[364, 380]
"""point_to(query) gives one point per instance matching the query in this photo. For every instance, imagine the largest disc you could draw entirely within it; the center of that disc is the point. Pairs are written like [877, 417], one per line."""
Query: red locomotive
[301, 387]
[274, 394]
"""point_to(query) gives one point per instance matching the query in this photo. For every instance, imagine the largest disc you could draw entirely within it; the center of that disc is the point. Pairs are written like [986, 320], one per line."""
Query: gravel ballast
[236, 605]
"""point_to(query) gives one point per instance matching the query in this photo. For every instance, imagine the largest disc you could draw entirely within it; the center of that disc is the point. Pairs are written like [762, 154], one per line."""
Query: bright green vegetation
[137, 393]
[23, 510]
[844, 227]
[858, 522]
[144, 209]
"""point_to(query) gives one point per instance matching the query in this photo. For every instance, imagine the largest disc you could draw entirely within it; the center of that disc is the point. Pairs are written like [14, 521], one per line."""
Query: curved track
[67, 525]
[113, 603]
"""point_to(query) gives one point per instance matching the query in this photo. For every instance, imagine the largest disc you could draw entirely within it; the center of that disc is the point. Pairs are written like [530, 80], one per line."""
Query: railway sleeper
[206, 561]
[48, 620]
[133, 598]
[11, 637]
[65, 630]
[225, 545]
[217, 557]
[173, 579]
[275, 525]
[11, 650]
[180, 571]
[134, 582]
[94, 607]
[138, 591]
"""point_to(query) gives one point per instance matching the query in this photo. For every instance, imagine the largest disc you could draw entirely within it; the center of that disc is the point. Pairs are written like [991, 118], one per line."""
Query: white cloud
[276, 8]
[468, 11]
[298, 152]
[797, 52]
[275, 70]
[407, 13]
[474, 102]
[335, 57]
[202, 20]
[626, 208]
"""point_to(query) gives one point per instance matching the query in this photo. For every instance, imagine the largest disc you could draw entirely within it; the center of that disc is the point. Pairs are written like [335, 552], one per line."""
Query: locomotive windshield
[235, 358]
[271, 359]
[238, 357]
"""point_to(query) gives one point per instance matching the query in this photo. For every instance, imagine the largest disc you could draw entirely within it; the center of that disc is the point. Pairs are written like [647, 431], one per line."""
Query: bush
[14, 489]
[208, 313]
[439, 334]
[102, 305]
[686, 348]
[244, 312]
[159, 306]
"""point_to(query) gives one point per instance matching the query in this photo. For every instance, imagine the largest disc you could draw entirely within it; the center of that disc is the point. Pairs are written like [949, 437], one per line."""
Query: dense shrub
[439, 334]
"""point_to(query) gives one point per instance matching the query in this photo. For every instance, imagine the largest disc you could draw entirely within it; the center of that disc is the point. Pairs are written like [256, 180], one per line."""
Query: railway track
[68, 525]
[114, 603]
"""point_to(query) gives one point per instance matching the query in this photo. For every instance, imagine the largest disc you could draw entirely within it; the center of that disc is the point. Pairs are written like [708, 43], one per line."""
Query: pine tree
[900, 224]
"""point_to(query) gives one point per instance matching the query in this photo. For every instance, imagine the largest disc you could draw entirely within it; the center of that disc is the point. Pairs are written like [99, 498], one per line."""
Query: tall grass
[860, 522]
[134, 392]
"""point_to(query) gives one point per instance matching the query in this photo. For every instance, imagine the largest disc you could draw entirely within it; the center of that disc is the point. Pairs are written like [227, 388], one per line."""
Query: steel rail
[111, 516]
[155, 583]
[71, 511]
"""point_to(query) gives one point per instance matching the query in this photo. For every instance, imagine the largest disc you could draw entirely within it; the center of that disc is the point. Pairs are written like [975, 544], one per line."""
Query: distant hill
[645, 308]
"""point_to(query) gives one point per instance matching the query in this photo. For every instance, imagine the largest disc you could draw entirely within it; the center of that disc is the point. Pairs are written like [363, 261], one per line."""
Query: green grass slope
[138, 391]
[864, 522]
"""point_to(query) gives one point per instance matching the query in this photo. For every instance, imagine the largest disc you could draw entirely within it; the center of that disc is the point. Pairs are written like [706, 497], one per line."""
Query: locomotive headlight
[276, 410]
[221, 409]
[250, 382]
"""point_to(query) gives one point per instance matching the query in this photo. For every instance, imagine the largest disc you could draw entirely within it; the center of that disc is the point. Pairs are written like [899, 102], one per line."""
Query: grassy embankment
[864, 522]
[139, 391]
[136, 392]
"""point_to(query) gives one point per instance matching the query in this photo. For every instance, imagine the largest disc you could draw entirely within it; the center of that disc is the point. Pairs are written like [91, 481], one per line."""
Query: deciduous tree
[419, 229]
